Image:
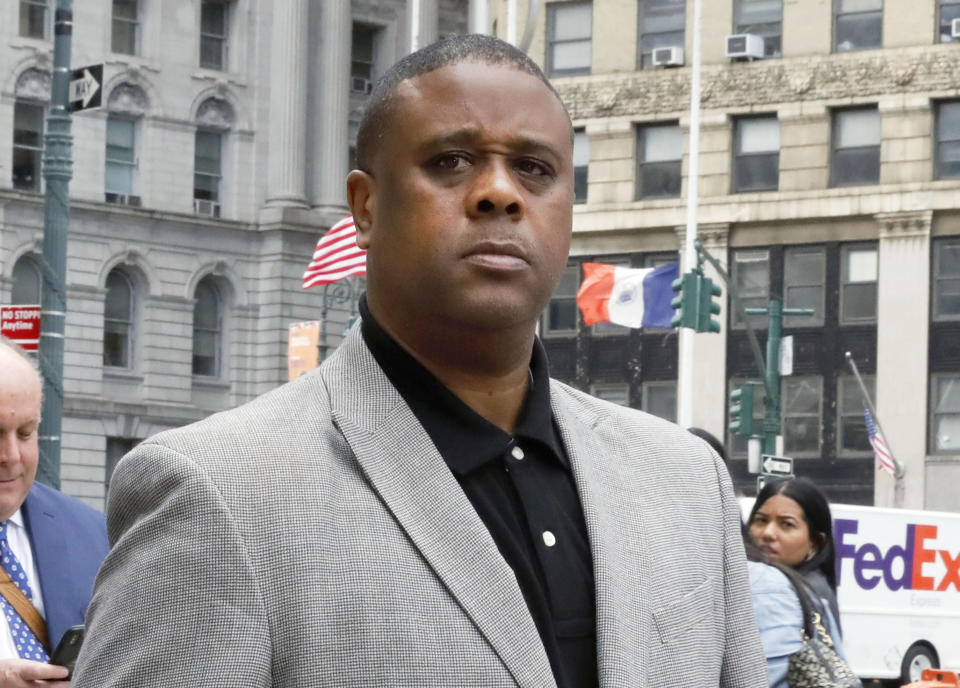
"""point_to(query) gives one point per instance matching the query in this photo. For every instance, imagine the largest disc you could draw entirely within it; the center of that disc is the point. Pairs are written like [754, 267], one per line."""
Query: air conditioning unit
[955, 28]
[744, 46]
[123, 199]
[202, 207]
[358, 84]
[668, 57]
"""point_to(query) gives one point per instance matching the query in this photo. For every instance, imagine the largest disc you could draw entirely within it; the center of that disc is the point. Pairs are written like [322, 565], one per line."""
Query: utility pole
[57, 172]
[771, 383]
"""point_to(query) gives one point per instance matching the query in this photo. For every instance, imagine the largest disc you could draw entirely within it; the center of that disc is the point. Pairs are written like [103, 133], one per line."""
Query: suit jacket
[315, 537]
[69, 541]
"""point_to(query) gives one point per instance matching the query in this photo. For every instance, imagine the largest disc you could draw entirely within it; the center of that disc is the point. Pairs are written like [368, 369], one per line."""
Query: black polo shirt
[522, 489]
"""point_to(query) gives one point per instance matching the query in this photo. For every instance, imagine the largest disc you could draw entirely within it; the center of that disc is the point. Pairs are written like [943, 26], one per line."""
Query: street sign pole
[57, 171]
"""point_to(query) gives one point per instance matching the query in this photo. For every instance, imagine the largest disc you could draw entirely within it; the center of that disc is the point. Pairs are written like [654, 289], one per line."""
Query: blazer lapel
[407, 471]
[610, 496]
[49, 554]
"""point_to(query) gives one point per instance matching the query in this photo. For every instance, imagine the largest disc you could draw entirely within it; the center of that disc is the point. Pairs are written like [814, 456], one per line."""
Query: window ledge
[122, 374]
[38, 44]
[213, 384]
[215, 75]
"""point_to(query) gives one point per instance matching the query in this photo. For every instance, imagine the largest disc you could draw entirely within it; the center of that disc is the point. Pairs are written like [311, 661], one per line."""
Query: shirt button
[517, 453]
[549, 539]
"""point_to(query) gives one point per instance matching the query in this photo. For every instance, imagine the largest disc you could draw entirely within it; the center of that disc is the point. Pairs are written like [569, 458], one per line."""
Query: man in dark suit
[429, 508]
[51, 545]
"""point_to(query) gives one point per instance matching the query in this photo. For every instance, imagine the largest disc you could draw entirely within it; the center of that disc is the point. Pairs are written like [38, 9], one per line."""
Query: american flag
[880, 450]
[336, 256]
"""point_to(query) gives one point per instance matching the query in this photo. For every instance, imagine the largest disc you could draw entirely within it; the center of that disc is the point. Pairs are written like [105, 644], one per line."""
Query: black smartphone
[68, 649]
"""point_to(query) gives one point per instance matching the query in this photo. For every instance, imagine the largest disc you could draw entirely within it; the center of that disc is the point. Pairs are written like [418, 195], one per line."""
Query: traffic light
[741, 410]
[685, 302]
[707, 306]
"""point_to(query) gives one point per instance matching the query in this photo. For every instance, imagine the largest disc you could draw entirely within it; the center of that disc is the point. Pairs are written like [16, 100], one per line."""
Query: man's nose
[9, 447]
[495, 191]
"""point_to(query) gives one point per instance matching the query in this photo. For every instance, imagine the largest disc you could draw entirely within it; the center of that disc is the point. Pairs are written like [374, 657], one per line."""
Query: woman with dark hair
[791, 524]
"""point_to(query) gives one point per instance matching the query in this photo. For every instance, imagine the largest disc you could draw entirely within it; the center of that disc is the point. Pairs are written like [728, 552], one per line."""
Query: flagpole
[689, 253]
[873, 412]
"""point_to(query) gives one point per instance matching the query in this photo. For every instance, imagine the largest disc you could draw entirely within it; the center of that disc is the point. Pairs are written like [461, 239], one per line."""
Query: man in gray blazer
[428, 508]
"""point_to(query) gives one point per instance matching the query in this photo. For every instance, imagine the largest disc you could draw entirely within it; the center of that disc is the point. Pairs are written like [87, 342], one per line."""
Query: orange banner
[303, 348]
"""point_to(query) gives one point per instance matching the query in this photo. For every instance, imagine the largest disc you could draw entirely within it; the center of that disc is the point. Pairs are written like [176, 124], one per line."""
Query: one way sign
[86, 87]
[776, 466]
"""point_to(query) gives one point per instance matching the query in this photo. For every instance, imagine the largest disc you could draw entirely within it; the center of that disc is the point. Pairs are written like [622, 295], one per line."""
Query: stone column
[331, 82]
[288, 104]
[423, 17]
[903, 325]
[710, 349]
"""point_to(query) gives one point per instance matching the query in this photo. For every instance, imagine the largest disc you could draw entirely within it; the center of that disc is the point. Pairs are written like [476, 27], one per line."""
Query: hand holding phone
[68, 649]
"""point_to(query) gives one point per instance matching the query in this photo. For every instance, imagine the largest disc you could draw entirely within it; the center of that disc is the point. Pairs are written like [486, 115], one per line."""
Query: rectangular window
[659, 161]
[363, 53]
[561, 316]
[852, 439]
[34, 18]
[761, 18]
[946, 280]
[27, 145]
[121, 155]
[804, 277]
[117, 448]
[945, 413]
[751, 275]
[214, 25]
[125, 38]
[581, 165]
[857, 24]
[948, 140]
[662, 25]
[802, 399]
[569, 30]
[858, 284]
[856, 147]
[660, 399]
[756, 163]
[206, 166]
[949, 10]
[614, 392]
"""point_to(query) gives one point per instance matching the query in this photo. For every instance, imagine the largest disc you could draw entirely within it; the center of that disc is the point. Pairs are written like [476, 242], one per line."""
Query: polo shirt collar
[465, 439]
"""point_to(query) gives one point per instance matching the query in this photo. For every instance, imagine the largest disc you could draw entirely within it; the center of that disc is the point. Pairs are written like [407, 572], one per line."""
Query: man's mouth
[498, 255]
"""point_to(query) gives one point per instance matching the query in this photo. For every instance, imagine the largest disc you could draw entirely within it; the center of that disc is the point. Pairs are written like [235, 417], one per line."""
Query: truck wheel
[916, 659]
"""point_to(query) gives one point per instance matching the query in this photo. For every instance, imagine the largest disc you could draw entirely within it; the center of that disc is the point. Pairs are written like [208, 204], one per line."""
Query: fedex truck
[898, 575]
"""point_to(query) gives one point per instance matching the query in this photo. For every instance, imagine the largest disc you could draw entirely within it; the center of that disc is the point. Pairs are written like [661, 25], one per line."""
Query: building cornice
[839, 78]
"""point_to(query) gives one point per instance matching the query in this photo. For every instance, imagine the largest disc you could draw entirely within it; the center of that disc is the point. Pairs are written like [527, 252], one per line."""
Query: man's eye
[451, 161]
[534, 168]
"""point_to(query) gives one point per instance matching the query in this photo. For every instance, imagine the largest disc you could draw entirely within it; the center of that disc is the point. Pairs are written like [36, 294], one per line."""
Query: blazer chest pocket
[677, 619]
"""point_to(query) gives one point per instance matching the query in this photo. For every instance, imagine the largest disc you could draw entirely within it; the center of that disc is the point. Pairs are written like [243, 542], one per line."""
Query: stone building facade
[829, 178]
[199, 190]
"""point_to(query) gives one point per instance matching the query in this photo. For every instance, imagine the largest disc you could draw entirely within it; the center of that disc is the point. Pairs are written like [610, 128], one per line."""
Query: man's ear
[362, 197]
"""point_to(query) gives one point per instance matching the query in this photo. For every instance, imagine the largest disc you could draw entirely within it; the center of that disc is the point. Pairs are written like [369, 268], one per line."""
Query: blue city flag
[657, 294]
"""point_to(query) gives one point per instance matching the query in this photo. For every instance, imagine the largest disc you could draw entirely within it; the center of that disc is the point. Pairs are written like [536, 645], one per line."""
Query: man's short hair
[447, 51]
[11, 345]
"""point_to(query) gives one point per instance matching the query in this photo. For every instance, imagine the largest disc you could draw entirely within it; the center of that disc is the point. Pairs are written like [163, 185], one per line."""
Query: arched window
[118, 325]
[207, 328]
[26, 282]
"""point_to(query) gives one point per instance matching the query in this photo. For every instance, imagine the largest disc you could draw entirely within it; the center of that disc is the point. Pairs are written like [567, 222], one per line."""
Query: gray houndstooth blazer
[315, 537]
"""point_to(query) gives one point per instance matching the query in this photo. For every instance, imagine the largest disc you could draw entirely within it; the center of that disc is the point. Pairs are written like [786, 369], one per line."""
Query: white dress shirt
[20, 544]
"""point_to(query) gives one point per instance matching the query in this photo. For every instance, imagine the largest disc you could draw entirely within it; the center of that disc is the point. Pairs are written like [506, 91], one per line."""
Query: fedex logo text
[872, 565]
